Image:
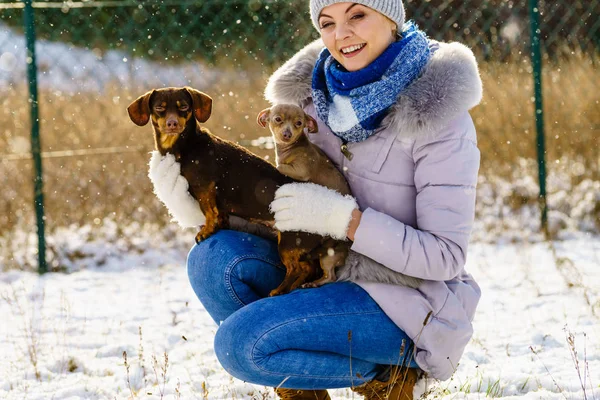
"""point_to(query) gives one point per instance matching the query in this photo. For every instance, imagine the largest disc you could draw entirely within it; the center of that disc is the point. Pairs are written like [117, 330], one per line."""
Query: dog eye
[298, 124]
[277, 119]
[159, 109]
[184, 108]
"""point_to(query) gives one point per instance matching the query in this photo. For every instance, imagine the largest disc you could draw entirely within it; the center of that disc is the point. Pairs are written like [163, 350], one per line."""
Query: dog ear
[263, 117]
[202, 104]
[311, 124]
[139, 110]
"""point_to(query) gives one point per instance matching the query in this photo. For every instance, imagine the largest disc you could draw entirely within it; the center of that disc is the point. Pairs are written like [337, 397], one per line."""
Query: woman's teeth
[350, 49]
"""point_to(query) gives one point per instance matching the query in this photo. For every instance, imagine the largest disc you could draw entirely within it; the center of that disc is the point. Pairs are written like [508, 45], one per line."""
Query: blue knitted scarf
[353, 104]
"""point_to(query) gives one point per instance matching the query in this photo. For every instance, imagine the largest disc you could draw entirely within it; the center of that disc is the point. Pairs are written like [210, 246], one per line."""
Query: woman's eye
[326, 25]
[357, 16]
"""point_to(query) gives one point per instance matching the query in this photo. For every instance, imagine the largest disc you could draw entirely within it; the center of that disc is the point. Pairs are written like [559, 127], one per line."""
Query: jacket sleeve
[445, 179]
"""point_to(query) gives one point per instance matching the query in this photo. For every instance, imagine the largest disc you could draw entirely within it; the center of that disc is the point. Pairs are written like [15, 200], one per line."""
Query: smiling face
[354, 34]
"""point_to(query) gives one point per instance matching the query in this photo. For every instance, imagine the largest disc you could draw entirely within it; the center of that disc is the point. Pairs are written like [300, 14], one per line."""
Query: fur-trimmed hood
[449, 85]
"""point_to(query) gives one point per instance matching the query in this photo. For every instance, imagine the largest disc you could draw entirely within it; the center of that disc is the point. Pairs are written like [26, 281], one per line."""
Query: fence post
[536, 60]
[38, 193]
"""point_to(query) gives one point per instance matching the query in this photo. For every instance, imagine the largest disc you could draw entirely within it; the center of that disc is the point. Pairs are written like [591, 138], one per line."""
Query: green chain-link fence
[94, 57]
[271, 31]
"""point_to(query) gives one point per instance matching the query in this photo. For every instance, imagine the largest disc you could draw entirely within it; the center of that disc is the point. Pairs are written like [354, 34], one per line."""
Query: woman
[392, 108]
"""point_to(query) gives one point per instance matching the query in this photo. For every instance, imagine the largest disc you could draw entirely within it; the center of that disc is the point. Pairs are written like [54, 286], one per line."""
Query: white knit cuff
[172, 189]
[339, 220]
[313, 208]
[185, 210]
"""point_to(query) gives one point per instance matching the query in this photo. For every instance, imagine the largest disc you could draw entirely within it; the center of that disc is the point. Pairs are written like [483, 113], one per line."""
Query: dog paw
[201, 236]
[205, 233]
[275, 292]
[315, 284]
[309, 285]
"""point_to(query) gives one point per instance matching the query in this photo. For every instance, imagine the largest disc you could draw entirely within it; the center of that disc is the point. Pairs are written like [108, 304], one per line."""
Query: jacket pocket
[383, 159]
[383, 153]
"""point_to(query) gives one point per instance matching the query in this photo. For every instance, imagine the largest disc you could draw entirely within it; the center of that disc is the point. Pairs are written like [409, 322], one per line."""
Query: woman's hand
[314, 208]
[172, 189]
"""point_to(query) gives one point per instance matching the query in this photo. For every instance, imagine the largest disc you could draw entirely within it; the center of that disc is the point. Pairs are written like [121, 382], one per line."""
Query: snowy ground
[73, 69]
[71, 329]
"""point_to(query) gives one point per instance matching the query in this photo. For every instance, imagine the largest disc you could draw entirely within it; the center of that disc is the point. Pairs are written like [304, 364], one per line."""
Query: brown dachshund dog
[301, 160]
[225, 178]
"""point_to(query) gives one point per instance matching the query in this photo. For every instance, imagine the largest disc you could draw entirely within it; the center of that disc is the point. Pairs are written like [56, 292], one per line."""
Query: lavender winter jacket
[415, 182]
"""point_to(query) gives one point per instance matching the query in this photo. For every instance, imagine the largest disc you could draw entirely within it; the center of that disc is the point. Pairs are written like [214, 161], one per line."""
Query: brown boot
[295, 394]
[399, 387]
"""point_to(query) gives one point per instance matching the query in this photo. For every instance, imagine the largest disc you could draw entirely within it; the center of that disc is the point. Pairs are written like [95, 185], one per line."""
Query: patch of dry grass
[506, 123]
[81, 189]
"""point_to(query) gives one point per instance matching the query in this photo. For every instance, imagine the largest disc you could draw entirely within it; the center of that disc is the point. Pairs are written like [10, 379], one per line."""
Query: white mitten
[172, 189]
[313, 208]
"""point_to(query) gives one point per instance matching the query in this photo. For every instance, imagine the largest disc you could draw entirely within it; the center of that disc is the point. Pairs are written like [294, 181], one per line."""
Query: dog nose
[287, 134]
[172, 123]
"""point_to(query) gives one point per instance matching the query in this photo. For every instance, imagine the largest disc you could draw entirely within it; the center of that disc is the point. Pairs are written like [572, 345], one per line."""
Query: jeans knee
[231, 269]
[233, 348]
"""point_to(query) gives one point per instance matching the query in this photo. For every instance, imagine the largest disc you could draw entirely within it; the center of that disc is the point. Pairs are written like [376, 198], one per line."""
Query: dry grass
[506, 124]
[86, 189]
[83, 189]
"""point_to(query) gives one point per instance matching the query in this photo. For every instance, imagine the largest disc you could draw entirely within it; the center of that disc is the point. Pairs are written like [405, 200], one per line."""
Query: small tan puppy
[299, 159]
[295, 155]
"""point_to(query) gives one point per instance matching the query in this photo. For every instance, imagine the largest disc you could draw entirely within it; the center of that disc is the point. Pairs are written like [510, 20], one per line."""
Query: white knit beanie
[393, 9]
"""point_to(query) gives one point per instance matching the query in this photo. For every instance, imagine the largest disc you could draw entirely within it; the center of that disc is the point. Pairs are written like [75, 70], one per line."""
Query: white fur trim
[291, 83]
[359, 267]
[172, 189]
[313, 208]
[449, 85]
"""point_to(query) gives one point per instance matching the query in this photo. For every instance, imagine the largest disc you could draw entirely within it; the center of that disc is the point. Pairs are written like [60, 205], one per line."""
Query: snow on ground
[71, 329]
[73, 69]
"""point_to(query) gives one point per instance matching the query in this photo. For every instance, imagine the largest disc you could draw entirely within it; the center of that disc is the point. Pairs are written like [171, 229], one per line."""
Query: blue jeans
[333, 336]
